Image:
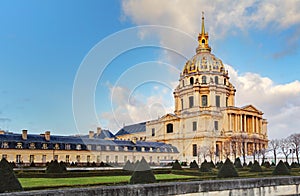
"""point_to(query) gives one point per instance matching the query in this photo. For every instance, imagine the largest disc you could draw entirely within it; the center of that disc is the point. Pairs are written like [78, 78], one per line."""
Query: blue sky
[43, 44]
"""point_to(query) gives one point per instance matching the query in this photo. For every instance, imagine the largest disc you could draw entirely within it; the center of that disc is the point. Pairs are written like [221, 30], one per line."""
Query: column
[253, 130]
[241, 122]
[229, 122]
[245, 123]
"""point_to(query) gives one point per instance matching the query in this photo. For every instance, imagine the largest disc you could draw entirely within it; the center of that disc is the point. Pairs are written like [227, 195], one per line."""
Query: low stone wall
[253, 186]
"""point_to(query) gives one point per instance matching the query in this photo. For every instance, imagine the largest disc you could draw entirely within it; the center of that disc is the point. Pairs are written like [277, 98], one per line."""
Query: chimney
[24, 134]
[91, 134]
[47, 135]
[99, 130]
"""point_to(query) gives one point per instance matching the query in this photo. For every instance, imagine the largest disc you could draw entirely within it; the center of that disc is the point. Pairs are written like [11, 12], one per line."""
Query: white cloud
[279, 102]
[130, 106]
[221, 15]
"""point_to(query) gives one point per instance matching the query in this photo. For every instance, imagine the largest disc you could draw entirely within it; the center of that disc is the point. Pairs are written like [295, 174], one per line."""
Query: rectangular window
[133, 158]
[88, 158]
[4, 156]
[218, 101]
[18, 158]
[78, 158]
[98, 159]
[216, 125]
[107, 159]
[116, 159]
[153, 132]
[194, 150]
[181, 104]
[194, 126]
[56, 157]
[31, 158]
[67, 158]
[204, 100]
[191, 101]
[125, 159]
[226, 101]
[44, 158]
[150, 159]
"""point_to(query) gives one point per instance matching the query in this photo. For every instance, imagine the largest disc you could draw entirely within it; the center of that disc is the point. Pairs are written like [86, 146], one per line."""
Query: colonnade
[244, 123]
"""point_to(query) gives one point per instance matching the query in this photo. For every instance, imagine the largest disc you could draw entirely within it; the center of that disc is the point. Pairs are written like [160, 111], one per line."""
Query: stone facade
[206, 120]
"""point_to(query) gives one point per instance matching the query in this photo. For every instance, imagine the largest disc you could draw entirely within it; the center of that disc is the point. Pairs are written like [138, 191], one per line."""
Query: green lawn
[56, 182]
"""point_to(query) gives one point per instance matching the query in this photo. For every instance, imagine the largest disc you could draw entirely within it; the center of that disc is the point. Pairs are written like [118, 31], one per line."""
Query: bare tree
[294, 139]
[243, 139]
[285, 145]
[203, 151]
[235, 146]
[274, 145]
[226, 148]
[211, 152]
[263, 153]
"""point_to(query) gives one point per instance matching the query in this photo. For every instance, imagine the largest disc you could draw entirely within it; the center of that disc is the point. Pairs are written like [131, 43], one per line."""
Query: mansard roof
[12, 139]
[135, 128]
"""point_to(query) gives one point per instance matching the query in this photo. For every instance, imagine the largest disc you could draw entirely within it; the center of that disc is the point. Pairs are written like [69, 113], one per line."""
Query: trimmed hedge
[128, 166]
[238, 163]
[194, 165]
[176, 166]
[55, 167]
[255, 167]
[8, 180]
[142, 173]
[227, 170]
[281, 169]
[205, 166]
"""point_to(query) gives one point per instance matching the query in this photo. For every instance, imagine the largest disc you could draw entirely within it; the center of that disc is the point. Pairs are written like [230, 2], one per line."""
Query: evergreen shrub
[227, 170]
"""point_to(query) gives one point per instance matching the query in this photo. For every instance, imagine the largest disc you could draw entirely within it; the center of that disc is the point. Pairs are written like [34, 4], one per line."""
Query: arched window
[203, 42]
[203, 79]
[191, 80]
[216, 79]
[182, 82]
[170, 128]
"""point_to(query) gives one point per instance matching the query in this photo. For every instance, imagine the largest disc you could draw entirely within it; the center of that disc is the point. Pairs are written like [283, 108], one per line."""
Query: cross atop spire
[203, 39]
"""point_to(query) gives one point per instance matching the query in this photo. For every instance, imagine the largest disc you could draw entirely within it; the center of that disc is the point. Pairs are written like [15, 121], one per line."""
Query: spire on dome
[203, 39]
[203, 27]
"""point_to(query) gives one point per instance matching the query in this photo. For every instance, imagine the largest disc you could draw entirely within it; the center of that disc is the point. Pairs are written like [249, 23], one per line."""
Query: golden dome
[203, 61]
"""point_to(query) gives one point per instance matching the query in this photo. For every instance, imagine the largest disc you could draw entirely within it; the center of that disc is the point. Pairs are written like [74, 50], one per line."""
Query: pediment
[169, 117]
[251, 108]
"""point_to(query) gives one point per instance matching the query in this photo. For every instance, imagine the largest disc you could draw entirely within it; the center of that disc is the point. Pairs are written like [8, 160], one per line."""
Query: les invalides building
[206, 121]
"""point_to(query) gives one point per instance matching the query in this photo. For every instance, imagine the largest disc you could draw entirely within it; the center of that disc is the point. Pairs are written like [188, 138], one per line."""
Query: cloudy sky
[70, 66]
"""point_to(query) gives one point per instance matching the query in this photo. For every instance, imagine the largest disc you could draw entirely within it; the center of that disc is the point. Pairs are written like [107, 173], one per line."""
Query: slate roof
[135, 128]
[12, 139]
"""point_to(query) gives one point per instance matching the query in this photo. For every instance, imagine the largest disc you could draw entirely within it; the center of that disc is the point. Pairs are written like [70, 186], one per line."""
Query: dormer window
[56, 147]
[19, 145]
[32, 146]
[67, 147]
[5, 145]
[45, 146]
[78, 147]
